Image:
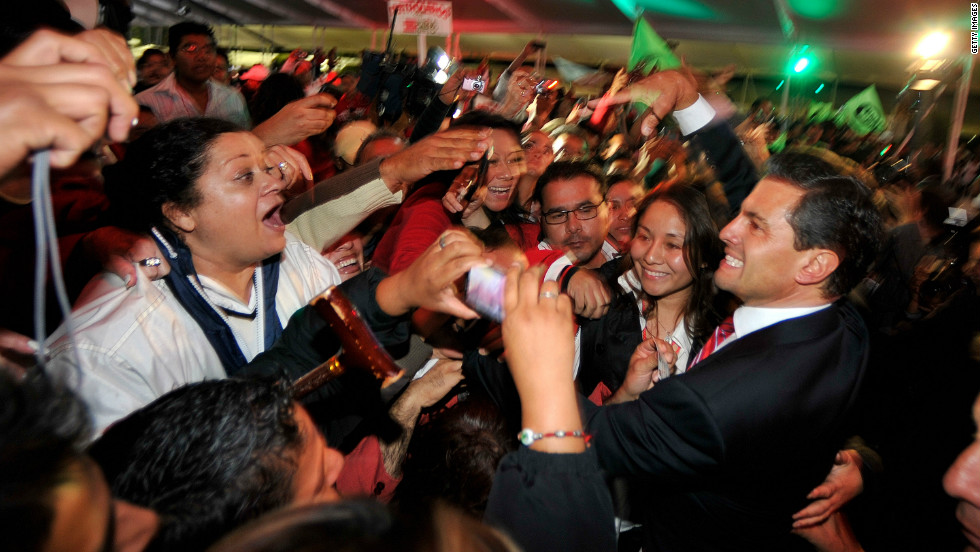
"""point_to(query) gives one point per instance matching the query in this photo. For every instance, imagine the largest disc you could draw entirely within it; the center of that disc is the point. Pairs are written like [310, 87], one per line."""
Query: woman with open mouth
[211, 193]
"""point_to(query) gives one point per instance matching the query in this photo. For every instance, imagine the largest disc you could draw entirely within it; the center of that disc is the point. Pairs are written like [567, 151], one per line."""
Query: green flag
[863, 113]
[648, 48]
[819, 112]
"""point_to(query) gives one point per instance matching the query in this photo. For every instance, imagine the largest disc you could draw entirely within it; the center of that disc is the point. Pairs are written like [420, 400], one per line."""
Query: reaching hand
[436, 383]
[441, 151]
[298, 120]
[429, 282]
[122, 252]
[589, 293]
[843, 483]
[665, 92]
[832, 535]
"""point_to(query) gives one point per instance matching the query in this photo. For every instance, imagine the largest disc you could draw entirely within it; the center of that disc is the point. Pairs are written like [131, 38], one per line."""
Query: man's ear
[180, 218]
[821, 263]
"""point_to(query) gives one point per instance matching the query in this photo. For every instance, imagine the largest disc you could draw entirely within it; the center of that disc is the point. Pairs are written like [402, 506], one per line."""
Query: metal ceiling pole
[784, 105]
[959, 109]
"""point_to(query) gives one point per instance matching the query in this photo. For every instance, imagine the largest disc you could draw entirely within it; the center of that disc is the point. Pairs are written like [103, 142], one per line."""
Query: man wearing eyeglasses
[574, 215]
[189, 91]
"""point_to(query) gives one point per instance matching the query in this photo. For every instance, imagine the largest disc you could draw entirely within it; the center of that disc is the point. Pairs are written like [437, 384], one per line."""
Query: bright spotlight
[932, 44]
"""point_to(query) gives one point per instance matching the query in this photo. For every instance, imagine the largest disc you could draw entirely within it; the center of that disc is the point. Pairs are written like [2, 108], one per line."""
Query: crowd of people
[644, 319]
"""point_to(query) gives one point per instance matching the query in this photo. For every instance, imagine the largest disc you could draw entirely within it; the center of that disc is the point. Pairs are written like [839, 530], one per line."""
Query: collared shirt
[136, 344]
[679, 338]
[169, 101]
[555, 269]
[751, 319]
[695, 116]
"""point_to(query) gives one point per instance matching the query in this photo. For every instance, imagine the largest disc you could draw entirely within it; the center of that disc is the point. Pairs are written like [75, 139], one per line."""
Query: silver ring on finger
[548, 295]
[442, 242]
[283, 166]
[150, 261]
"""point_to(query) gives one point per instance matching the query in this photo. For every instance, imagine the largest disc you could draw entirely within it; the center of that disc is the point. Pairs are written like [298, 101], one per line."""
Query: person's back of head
[365, 526]
[207, 457]
[455, 456]
[43, 428]
[273, 94]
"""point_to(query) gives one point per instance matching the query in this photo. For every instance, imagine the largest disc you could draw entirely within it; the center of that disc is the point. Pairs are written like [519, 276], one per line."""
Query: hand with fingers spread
[843, 483]
[298, 120]
[440, 152]
[834, 534]
[664, 92]
[429, 281]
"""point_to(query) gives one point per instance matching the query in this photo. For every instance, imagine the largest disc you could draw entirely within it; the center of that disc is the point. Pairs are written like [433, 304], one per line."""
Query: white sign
[419, 17]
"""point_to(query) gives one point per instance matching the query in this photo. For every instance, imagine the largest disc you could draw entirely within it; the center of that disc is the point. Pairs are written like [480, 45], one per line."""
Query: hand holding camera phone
[475, 177]
[474, 84]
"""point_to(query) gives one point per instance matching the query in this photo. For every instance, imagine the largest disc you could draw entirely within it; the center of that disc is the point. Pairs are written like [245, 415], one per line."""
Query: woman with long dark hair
[665, 289]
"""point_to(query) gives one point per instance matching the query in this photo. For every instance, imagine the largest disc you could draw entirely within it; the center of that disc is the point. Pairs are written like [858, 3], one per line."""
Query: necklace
[666, 334]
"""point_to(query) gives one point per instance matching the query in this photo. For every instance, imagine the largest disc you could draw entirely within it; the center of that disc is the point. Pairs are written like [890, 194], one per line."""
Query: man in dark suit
[730, 449]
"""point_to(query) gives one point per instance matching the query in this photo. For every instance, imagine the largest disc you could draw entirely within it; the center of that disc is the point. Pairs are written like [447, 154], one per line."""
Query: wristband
[527, 436]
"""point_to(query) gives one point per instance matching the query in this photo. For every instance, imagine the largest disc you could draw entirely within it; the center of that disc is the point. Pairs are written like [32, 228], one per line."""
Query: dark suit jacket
[731, 448]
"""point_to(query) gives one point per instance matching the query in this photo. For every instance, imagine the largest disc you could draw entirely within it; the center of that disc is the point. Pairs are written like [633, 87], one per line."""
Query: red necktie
[725, 329]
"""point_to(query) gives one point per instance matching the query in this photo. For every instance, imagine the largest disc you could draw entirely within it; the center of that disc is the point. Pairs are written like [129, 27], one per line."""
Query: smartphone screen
[485, 292]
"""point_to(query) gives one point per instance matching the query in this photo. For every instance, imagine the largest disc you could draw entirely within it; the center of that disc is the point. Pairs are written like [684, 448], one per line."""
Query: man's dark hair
[566, 170]
[207, 457]
[147, 54]
[836, 212]
[180, 30]
[43, 428]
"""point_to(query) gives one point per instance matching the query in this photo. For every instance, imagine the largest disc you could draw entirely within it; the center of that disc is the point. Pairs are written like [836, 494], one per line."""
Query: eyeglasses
[192, 48]
[584, 212]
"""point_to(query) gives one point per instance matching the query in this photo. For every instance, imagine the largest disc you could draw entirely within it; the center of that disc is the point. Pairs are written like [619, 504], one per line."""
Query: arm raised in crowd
[675, 93]
[560, 472]
[330, 209]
